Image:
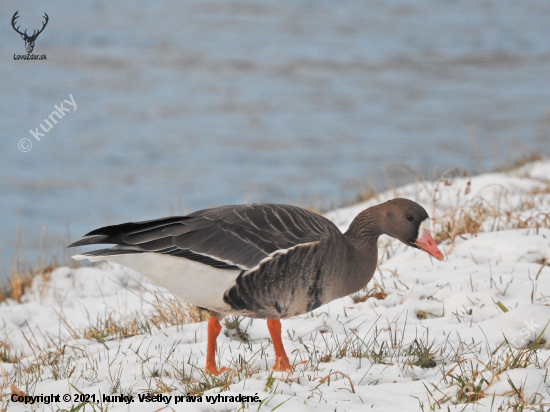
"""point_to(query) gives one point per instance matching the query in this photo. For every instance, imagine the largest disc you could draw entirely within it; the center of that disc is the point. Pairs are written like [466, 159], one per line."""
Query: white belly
[194, 282]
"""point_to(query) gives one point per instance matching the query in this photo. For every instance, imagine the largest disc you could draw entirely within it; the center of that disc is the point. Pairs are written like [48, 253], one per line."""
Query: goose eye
[410, 218]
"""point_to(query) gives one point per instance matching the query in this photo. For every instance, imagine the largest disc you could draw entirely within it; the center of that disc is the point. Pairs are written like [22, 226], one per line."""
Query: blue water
[186, 105]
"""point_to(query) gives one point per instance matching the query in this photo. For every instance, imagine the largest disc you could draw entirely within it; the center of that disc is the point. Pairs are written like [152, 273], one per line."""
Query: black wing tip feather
[112, 234]
[126, 228]
[89, 241]
[111, 252]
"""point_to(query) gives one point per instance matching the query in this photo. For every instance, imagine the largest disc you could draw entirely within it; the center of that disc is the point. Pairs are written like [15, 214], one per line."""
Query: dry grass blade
[341, 373]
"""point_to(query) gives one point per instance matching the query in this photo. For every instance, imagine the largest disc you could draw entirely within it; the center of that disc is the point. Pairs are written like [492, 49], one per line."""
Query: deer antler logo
[29, 40]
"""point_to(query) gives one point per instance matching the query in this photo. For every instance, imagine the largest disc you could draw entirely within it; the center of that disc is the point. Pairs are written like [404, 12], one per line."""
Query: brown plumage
[260, 260]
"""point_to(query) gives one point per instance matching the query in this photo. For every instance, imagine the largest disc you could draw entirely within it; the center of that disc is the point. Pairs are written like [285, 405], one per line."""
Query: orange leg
[214, 329]
[281, 360]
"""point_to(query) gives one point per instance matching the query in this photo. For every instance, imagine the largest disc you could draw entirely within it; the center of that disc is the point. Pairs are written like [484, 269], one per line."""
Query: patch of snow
[365, 350]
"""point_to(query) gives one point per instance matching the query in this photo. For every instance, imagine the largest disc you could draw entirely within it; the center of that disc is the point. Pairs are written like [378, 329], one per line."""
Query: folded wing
[229, 237]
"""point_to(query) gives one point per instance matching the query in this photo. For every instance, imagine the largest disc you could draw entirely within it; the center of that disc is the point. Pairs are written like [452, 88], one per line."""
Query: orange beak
[427, 244]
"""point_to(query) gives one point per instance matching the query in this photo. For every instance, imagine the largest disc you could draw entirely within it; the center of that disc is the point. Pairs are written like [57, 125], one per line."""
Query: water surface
[186, 105]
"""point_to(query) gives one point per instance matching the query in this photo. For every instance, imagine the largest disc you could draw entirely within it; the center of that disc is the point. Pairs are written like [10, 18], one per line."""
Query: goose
[270, 261]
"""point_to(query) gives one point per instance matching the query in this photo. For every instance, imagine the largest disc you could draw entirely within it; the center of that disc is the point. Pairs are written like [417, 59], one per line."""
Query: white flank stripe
[278, 252]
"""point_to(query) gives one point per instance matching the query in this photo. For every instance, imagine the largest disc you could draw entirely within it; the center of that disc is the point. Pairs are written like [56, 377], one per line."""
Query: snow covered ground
[468, 333]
